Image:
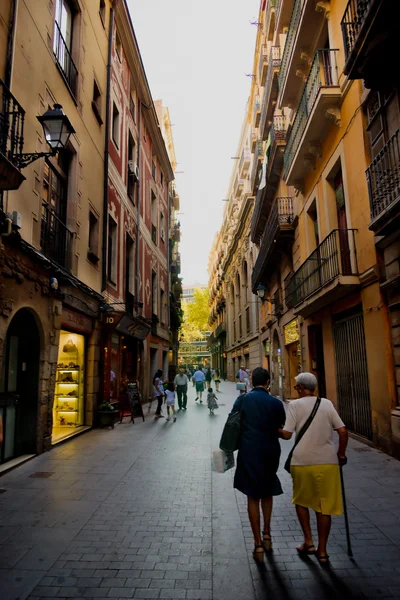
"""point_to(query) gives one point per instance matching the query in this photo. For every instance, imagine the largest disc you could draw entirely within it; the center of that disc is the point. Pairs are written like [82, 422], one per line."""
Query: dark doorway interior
[317, 361]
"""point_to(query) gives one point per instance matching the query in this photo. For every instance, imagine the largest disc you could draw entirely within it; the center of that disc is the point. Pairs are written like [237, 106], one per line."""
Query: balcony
[383, 177]
[64, 61]
[263, 65]
[12, 117]
[328, 274]
[270, 91]
[255, 169]
[265, 194]
[318, 108]
[56, 240]
[270, 19]
[175, 201]
[256, 111]
[238, 186]
[254, 139]
[369, 29]
[278, 235]
[283, 12]
[220, 330]
[301, 41]
[245, 161]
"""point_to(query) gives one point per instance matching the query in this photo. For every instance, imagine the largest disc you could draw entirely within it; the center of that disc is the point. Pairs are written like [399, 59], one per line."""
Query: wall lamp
[57, 130]
[260, 291]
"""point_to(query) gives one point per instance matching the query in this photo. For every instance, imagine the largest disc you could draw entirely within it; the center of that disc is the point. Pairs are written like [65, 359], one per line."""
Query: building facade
[319, 269]
[50, 287]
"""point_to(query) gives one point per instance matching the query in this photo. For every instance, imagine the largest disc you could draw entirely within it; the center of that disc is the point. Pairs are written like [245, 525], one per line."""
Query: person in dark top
[208, 377]
[258, 457]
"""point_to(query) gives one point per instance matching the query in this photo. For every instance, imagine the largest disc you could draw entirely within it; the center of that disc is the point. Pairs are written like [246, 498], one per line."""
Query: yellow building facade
[318, 271]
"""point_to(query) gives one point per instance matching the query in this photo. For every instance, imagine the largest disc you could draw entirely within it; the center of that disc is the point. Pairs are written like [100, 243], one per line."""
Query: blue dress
[259, 448]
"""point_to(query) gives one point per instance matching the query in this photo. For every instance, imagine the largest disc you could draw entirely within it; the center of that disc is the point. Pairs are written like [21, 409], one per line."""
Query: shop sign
[239, 352]
[135, 327]
[291, 332]
[234, 354]
[76, 321]
[246, 350]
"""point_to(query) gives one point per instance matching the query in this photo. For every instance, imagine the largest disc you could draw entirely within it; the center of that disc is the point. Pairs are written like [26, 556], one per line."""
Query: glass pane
[9, 433]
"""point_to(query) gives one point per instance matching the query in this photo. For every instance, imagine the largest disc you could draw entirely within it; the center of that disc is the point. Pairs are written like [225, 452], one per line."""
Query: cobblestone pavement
[137, 513]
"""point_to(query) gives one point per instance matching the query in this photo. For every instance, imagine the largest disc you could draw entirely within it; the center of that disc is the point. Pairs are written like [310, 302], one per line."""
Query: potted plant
[107, 414]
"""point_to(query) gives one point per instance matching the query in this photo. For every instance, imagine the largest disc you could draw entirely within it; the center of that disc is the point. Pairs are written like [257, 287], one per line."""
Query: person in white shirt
[181, 384]
[199, 379]
[170, 400]
[315, 463]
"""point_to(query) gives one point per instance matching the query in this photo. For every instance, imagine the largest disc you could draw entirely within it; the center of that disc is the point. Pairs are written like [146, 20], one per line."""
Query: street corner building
[87, 216]
[322, 125]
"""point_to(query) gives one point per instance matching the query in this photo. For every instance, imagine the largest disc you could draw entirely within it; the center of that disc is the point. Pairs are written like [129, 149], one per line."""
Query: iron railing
[288, 290]
[353, 19]
[281, 214]
[278, 128]
[323, 73]
[263, 60]
[274, 62]
[290, 38]
[12, 118]
[383, 177]
[56, 240]
[335, 255]
[64, 59]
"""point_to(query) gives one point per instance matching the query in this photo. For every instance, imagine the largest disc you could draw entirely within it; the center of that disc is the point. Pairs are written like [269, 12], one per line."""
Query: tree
[198, 311]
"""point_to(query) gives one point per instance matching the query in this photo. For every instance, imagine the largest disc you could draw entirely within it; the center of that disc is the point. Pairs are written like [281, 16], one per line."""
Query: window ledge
[97, 113]
[93, 258]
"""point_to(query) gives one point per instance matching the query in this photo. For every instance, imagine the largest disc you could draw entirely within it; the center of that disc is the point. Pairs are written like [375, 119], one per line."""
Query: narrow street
[137, 513]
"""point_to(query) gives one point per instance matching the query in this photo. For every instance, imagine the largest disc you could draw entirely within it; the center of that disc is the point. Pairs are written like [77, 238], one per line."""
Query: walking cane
[346, 519]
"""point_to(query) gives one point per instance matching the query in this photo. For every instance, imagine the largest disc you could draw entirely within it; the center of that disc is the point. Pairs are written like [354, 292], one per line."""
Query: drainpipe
[106, 157]
[11, 43]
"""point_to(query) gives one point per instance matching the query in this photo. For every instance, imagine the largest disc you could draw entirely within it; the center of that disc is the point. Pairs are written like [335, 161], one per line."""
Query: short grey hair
[307, 380]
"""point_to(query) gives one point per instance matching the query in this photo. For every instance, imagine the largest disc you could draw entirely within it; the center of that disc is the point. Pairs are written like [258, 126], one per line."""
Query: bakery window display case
[68, 412]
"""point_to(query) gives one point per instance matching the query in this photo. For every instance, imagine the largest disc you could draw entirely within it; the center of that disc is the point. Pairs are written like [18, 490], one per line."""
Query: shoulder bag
[231, 433]
[301, 433]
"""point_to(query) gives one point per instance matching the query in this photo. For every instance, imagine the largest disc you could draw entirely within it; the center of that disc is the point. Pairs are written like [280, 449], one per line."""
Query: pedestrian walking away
[199, 379]
[208, 376]
[262, 416]
[158, 391]
[181, 385]
[241, 377]
[170, 400]
[217, 379]
[211, 401]
[314, 464]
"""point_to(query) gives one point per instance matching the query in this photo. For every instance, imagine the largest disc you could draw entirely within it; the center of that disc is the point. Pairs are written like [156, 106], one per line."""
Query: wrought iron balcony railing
[56, 239]
[383, 177]
[221, 329]
[353, 19]
[335, 255]
[290, 38]
[288, 290]
[64, 60]
[278, 128]
[12, 117]
[323, 73]
[280, 217]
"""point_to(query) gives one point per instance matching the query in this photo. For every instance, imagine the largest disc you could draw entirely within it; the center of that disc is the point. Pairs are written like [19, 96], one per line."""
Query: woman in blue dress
[258, 457]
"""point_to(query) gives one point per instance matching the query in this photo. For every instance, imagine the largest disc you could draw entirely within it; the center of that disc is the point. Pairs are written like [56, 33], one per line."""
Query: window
[162, 304]
[313, 224]
[62, 43]
[162, 227]
[118, 46]
[93, 245]
[153, 169]
[153, 217]
[102, 11]
[132, 108]
[248, 325]
[154, 292]
[162, 178]
[112, 251]
[96, 102]
[240, 326]
[383, 115]
[131, 177]
[129, 273]
[115, 125]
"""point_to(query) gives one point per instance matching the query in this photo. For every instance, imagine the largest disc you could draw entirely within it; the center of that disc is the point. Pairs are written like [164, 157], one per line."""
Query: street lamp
[260, 291]
[57, 130]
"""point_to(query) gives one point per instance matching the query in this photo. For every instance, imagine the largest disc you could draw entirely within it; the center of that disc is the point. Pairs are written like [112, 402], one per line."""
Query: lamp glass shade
[57, 127]
[261, 291]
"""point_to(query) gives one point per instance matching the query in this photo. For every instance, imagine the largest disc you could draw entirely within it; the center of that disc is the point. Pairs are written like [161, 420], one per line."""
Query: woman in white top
[315, 463]
[170, 400]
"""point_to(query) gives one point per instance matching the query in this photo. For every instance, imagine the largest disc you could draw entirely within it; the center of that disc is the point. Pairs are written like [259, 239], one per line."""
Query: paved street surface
[137, 513]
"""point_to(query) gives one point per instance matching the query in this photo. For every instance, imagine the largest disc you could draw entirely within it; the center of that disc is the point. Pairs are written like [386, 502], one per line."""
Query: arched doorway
[276, 376]
[20, 385]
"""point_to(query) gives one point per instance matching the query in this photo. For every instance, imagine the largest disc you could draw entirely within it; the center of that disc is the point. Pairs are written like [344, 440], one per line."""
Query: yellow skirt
[318, 487]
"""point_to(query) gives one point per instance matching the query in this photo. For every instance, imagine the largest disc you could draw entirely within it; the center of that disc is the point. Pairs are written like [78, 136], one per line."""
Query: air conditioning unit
[133, 169]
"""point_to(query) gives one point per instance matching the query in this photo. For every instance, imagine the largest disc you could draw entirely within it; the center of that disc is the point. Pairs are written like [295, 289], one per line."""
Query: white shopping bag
[222, 461]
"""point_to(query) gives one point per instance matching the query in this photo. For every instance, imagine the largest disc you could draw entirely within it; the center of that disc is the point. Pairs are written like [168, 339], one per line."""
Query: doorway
[20, 386]
[317, 362]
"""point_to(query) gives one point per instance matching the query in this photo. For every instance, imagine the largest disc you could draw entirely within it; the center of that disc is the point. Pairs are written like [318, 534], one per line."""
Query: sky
[196, 54]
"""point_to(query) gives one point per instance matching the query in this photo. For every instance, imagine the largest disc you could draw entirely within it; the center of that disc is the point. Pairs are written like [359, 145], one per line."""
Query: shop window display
[68, 410]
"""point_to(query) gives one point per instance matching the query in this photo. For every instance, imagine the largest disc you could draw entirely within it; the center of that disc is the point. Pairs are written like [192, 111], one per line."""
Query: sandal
[267, 541]
[306, 550]
[257, 555]
[323, 560]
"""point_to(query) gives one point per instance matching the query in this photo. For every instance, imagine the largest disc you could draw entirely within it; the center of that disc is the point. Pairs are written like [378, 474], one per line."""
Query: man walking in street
[199, 379]
[181, 385]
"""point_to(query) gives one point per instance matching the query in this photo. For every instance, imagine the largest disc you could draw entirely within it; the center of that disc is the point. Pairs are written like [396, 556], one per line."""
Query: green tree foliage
[195, 317]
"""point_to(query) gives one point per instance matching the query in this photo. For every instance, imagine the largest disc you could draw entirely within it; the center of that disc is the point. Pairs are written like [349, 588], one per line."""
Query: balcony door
[342, 224]
[55, 237]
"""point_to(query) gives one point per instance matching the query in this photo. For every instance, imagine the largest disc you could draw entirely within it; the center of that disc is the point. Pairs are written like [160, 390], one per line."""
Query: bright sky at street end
[196, 56]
